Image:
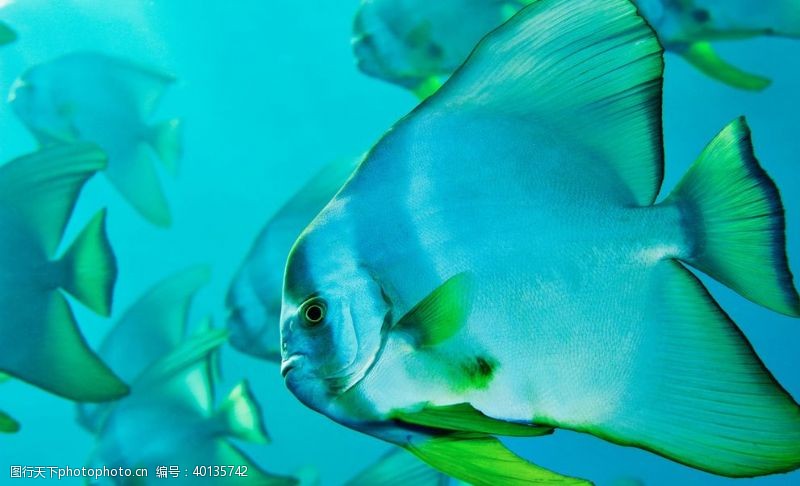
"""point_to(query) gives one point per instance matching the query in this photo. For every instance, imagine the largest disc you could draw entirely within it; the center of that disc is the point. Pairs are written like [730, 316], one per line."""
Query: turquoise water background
[269, 93]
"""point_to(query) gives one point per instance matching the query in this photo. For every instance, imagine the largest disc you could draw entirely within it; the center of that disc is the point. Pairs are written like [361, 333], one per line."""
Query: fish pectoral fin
[464, 418]
[703, 56]
[43, 187]
[439, 315]
[399, 468]
[7, 424]
[240, 415]
[50, 352]
[482, 460]
[740, 240]
[694, 391]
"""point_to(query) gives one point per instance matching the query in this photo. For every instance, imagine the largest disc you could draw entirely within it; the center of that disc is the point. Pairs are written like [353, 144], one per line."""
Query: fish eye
[313, 311]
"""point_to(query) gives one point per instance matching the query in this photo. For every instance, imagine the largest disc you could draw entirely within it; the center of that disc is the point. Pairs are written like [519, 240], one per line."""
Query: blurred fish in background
[7, 34]
[254, 297]
[169, 419]
[108, 101]
[40, 342]
[417, 44]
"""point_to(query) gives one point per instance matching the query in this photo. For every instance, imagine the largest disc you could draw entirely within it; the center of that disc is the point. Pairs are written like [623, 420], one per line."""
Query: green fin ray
[484, 461]
[439, 315]
[739, 219]
[702, 56]
[399, 468]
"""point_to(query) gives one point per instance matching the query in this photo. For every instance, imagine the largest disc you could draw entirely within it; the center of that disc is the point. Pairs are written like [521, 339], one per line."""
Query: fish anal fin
[132, 172]
[695, 391]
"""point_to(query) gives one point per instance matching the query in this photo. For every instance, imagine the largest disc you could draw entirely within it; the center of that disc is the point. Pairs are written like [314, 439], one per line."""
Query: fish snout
[290, 362]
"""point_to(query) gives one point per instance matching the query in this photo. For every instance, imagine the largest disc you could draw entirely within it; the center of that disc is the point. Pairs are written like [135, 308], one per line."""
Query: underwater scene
[400, 242]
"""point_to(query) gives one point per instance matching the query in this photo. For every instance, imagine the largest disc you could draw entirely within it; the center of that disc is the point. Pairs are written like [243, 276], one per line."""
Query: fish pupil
[314, 313]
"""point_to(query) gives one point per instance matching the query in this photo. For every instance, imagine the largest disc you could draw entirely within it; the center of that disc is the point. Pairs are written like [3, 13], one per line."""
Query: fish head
[38, 105]
[253, 321]
[334, 319]
[394, 45]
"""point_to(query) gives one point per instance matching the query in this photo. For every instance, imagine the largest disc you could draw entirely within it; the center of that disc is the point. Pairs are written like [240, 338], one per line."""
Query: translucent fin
[7, 424]
[155, 324]
[135, 178]
[427, 87]
[7, 34]
[165, 138]
[399, 468]
[47, 350]
[439, 315]
[699, 395]
[702, 56]
[736, 214]
[139, 87]
[464, 418]
[44, 186]
[590, 71]
[241, 415]
[90, 267]
[191, 354]
[225, 453]
[149, 330]
[484, 461]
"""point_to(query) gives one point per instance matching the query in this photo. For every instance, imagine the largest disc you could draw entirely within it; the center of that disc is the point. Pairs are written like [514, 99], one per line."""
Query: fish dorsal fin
[439, 315]
[463, 417]
[589, 71]
[398, 468]
[154, 325]
[141, 86]
[149, 330]
[42, 187]
[483, 460]
[181, 377]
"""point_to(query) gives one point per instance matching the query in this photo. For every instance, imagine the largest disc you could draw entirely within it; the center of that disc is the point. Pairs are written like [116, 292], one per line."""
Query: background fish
[172, 396]
[498, 266]
[7, 34]
[416, 44]
[40, 342]
[254, 297]
[108, 101]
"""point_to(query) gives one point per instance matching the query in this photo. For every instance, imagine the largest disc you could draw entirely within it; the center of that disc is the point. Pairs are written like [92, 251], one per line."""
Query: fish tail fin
[735, 213]
[702, 56]
[240, 415]
[165, 138]
[90, 266]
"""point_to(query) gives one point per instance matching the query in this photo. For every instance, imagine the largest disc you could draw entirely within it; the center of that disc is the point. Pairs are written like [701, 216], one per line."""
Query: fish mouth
[290, 363]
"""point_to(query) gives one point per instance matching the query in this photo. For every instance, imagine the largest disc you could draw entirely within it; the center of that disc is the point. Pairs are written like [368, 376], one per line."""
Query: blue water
[270, 93]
